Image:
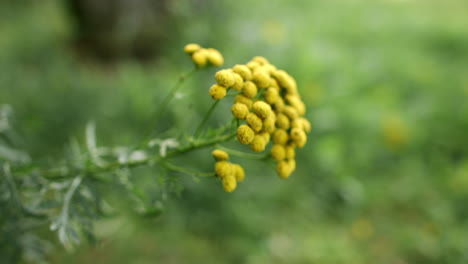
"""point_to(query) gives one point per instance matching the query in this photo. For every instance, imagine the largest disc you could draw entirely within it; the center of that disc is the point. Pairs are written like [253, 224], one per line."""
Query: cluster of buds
[229, 173]
[269, 103]
[201, 56]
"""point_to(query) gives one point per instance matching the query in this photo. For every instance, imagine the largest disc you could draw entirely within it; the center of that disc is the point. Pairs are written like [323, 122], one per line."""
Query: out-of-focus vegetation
[383, 178]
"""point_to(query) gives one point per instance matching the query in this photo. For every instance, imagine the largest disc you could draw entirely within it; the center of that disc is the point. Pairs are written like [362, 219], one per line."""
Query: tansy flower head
[245, 134]
[280, 136]
[214, 57]
[243, 71]
[243, 100]
[249, 89]
[225, 78]
[238, 82]
[258, 144]
[191, 48]
[271, 107]
[238, 172]
[217, 91]
[284, 169]
[261, 79]
[239, 110]
[282, 121]
[200, 57]
[262, 109]
[278, 152]
[219, 155]
[229, 183]
[223, 169]
[254, 122]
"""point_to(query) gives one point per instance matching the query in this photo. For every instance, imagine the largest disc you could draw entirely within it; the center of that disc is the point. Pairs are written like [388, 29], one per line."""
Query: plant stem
[173, 167]
[159, 113]
[61, 173]
[205, 118]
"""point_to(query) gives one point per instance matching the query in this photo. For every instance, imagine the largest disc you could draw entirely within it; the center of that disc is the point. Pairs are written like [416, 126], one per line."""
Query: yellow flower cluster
[201, 56]
[229, 173]
[271, 106]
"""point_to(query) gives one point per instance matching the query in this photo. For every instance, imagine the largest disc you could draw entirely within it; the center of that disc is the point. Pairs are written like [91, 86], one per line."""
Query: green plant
[67, 198]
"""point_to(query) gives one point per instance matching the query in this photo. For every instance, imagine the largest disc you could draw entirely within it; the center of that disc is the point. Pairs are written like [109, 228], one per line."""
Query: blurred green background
[383, 178]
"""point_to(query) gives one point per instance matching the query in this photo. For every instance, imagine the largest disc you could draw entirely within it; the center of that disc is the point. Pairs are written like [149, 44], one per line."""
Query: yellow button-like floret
[278, 152]
[290, 112]
[262, 109]
[254, 122]
[191, 48]
[282, 121]
[283, 169]
[249, 89]
[243, 71]
[261, 60]
[238, 172]
[261, 79]
[223, 169]
[217, 91]
[245, 134]
[238, 82]
[225, 78]
[299, 137]
[239, 110]
[229, 183]
[243, 100]
[219, 155]
[290, 153]
[269, 123]
[258, 144]
[280, 136]
[215, 57]
[271, 95]
[200, 57]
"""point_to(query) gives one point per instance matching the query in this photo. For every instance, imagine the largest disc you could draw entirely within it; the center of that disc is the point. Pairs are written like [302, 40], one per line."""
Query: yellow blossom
[245, 134]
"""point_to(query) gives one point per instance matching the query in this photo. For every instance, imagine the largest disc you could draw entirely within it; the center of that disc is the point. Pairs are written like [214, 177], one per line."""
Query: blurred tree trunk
[114, 29]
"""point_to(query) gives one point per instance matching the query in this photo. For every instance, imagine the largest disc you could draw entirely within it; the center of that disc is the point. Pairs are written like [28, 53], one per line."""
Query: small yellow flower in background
[201, 56]
[362, 229]
[243, 100]
[214, 57]
[191, 48]
[394, 132]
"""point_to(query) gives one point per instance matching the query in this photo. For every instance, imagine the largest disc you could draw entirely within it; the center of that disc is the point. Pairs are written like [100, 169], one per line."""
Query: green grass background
[383, 178]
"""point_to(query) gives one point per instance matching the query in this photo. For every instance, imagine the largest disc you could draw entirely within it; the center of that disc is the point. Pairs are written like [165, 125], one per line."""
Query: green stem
[64, 172]
[159, 113]
[173, 167]
[205, 118]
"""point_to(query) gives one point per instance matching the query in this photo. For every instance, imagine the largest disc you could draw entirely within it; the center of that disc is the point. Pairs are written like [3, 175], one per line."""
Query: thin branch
[205, 118]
